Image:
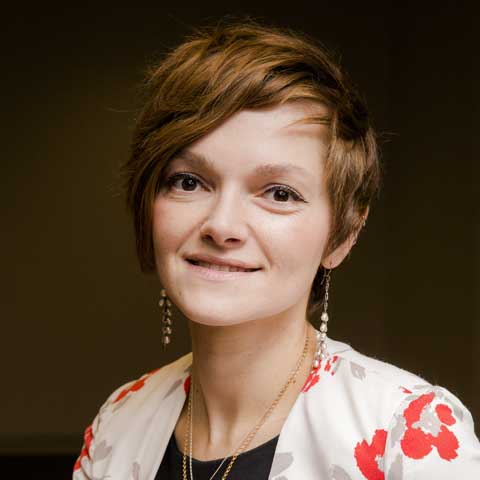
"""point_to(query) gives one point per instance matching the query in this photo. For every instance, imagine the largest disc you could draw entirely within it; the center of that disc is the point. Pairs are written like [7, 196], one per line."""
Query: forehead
[270, 136]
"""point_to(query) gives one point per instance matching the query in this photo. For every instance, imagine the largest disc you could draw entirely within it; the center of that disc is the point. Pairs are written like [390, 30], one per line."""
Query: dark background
[79, 319]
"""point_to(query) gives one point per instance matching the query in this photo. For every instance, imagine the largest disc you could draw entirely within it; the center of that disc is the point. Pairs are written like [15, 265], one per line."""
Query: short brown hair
[222, 69]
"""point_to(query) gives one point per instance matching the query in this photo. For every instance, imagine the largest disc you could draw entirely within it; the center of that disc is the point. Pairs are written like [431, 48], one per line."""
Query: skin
[247, 333]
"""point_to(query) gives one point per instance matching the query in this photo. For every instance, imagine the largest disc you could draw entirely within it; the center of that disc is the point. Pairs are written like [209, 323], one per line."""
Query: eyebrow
[200, 161]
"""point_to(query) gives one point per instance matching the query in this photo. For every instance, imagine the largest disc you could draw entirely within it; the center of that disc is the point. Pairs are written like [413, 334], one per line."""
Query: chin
[218, 317]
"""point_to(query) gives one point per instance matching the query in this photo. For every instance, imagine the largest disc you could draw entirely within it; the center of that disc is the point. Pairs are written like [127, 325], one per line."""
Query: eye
[187, 182]
[282, 192]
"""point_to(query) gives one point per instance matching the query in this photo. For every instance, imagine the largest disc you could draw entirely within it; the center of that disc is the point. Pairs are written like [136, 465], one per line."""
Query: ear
[335, 258]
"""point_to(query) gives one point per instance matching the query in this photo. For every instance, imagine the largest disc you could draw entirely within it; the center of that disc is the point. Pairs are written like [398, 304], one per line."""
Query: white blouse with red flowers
[356, 418]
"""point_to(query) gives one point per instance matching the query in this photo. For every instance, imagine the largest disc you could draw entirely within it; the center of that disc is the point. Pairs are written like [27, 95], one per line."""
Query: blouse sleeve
[90, 452]
[431, 436]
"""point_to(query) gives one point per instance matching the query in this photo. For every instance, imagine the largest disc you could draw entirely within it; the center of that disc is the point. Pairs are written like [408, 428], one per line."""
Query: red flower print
[186, 384]
[314, 376]
[405, 390]
[312, 379]
[135, 386]
[444, 414]
[367, 455]
[425, 429]
[330, 364]
[87, 438]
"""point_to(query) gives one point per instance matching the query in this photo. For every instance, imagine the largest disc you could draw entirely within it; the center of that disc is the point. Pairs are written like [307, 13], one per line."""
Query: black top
[252, 464]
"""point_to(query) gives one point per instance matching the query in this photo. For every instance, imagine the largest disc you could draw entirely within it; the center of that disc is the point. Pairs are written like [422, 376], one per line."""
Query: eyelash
[176, 176]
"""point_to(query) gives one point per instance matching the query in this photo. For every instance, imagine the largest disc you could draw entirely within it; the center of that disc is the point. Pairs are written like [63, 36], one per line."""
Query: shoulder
[156, 378]
[139, 399]
[377, 386]
[155, 384]
[366, 391]
[375, 371]
[120, 427]
[411, 427]
[371, 386]
[380, 380]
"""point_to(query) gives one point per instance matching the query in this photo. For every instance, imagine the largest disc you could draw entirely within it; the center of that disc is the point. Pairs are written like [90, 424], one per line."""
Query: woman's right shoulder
[154, 383]
[128, 412]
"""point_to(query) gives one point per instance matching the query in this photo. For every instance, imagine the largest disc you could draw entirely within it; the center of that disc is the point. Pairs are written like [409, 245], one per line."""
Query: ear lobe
[335, 258]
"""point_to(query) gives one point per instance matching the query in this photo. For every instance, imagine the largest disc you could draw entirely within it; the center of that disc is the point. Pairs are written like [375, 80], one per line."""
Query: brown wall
[78, 317]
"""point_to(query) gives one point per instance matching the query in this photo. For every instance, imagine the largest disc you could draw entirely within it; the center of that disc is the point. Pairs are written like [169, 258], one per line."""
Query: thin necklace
[244, 444]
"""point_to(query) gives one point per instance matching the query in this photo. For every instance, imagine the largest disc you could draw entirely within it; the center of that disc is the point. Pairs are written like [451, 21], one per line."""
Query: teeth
[223, 268]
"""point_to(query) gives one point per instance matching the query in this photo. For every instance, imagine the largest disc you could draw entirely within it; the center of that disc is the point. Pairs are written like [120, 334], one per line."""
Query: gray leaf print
[428, 421]
[457, 411]
[281, 478]
[357, 370]
[338, 473]
[176, 384]
[86, 467]
[281, 461]
[398, 430]
[136, 471]
[336, 365]
[101, 451]
[438, 391]
[421, 386]
[396, 470]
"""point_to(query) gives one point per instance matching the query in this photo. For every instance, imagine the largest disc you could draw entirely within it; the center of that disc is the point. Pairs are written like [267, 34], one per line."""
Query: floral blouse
[355, 418]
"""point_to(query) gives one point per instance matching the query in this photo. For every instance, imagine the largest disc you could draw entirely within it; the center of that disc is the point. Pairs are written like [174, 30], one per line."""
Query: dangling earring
[322, 335]
[164, 303]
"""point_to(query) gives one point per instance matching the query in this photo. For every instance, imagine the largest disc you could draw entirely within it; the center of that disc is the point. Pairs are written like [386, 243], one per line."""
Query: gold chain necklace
[251, 434]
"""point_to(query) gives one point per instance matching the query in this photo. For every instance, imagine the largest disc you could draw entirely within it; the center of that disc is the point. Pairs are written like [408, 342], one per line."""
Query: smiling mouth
[222, 268]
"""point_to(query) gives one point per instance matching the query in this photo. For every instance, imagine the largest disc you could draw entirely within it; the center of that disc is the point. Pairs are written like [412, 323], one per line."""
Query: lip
[229, 262]
[217, 275]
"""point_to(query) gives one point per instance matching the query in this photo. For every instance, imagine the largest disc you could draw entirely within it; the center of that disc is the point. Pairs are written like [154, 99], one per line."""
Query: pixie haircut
[222, 69]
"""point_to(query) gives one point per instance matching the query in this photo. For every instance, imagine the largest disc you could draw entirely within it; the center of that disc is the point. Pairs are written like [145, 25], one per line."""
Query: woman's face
[252, 191]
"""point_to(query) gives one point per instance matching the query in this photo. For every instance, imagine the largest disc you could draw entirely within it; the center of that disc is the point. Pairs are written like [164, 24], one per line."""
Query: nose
[225, 223]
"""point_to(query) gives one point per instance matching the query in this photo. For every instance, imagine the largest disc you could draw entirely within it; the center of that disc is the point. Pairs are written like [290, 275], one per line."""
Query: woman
[252, 170]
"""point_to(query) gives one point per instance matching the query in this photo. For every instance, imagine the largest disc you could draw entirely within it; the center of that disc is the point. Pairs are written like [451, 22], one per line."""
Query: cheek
[169, 228]
[298, 245]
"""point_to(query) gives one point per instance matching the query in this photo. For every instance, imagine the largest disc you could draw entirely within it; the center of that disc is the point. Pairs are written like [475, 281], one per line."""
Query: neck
[238, 372]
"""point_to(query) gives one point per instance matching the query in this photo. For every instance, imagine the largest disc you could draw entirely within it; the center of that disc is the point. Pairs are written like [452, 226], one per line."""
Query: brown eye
[185, 182]
[281, 194]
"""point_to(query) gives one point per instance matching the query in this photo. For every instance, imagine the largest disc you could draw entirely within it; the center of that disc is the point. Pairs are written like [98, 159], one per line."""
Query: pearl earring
[322, 335]
[164, 303]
